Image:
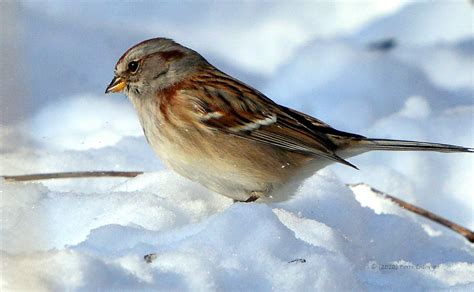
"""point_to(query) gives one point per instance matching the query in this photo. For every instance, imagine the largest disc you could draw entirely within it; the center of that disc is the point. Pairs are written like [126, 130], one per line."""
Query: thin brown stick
[72, 174]
[468, 234]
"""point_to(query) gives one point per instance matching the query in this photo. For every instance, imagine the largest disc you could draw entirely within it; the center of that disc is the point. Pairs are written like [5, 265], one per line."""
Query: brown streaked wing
[227, 105]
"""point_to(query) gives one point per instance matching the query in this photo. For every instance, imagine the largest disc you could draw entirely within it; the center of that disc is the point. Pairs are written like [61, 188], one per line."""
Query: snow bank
[323, 239]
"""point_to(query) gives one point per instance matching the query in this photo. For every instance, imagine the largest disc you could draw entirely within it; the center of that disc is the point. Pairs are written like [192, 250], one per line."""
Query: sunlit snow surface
[89, 234]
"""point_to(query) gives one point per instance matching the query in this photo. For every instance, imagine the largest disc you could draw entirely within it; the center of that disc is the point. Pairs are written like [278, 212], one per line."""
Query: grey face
[153, 65]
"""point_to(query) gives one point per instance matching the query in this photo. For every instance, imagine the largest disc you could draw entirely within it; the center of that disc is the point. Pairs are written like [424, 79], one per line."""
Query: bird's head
[153, 65]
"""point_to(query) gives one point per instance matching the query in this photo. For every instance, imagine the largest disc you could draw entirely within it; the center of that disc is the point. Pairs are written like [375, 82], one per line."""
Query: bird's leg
[254, 195]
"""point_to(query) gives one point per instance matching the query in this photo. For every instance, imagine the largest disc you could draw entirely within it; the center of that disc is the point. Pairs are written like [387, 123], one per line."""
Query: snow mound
[204, 242]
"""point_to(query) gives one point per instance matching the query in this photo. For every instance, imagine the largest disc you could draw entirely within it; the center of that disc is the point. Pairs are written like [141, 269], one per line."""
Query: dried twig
[468, 234]
[73, 174]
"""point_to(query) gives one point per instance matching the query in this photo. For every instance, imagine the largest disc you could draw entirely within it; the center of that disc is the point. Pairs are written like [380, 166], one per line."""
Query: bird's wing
[224, 104]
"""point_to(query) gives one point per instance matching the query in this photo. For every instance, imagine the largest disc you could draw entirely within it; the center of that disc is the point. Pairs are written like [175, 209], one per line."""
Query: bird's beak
[117, 85]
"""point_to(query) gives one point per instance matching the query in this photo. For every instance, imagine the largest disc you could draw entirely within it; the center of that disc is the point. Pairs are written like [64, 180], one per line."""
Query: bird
[220, 132]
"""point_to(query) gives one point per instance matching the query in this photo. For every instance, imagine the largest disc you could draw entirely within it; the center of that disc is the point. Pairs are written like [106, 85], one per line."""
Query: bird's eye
[133, 66]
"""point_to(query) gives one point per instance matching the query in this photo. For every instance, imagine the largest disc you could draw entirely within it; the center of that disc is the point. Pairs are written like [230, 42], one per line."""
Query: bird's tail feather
[402, 145]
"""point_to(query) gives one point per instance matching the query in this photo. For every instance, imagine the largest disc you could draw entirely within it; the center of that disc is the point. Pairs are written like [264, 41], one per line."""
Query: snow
[420, 24]
[203, 241]
[89, 234]
[83, 124]
[259, 43]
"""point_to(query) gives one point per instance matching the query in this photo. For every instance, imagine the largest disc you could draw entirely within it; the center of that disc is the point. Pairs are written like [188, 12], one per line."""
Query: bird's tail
[402, 145]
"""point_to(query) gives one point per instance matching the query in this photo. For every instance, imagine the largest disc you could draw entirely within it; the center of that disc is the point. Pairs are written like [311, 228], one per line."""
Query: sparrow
[226, 135]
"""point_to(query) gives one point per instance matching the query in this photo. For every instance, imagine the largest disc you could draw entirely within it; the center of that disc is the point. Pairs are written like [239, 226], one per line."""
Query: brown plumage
[226, 135]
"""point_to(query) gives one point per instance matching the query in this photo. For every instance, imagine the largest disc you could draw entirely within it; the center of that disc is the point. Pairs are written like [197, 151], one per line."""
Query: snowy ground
[90, 234]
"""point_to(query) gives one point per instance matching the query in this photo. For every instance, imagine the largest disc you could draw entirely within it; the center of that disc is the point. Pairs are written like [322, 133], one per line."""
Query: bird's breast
[226, 164]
